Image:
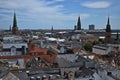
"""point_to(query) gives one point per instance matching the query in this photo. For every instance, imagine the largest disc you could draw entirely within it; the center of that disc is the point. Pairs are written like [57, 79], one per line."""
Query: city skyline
[61, 14]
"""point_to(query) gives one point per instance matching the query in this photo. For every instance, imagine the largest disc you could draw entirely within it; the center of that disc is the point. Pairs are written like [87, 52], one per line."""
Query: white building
[10, 49]
[105, 49]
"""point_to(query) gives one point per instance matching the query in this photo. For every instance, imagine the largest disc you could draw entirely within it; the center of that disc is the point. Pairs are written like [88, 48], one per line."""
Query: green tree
[101, 41]
[96, 42]
[88, 46]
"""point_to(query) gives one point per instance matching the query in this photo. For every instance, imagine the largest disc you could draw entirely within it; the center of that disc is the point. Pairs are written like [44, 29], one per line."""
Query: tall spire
[108, 32]
[108, 21]
[79, 24]
[14, 27]
[108, 29]
[14, 20]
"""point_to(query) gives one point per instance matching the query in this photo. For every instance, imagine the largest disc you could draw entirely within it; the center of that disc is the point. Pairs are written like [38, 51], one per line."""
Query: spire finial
[79, 24]
[108, 21]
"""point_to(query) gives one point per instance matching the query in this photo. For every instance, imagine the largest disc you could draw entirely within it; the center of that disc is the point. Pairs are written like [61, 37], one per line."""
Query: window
[13, 50]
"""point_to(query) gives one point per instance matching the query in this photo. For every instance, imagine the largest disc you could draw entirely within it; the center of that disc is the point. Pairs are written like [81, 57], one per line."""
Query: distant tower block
[92, 27]
[79, 24]
[108, 32]
[52, 28]
[14, 27]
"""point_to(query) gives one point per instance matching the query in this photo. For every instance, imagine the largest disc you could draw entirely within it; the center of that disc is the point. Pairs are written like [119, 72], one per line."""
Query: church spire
[108, 28]
[14, 20]
[14, 27]
[108, 32]
[79, 24]
[108, 23]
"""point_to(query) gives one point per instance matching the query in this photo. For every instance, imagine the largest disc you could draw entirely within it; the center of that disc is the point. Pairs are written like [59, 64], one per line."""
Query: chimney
[32, 78]
[44, 77]
[58, 76]
[50, 77]
[27, 72]
[38, 78]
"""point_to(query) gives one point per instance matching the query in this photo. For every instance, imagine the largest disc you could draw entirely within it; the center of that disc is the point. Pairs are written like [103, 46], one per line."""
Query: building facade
[91, 27]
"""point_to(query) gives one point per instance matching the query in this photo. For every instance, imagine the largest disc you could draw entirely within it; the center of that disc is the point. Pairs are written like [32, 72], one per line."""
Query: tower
[91, 27]
[79, 24]
[14, 27]
[52, 28]
[108, 32]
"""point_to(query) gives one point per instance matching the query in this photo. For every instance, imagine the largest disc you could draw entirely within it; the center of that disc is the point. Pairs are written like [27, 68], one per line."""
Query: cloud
[98, 4]
[38, 13]
[60, 0]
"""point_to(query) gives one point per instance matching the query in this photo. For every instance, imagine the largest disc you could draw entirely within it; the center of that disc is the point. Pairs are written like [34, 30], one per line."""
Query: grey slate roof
[21, 75]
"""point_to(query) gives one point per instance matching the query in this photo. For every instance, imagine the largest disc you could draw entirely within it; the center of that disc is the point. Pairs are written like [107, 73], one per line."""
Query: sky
[61, 14]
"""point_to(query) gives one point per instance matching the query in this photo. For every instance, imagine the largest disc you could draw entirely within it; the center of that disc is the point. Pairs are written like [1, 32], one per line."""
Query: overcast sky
[61, 14]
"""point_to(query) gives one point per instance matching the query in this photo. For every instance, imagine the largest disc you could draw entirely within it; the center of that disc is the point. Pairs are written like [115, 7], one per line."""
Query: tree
[101, 41]
[95, 42]
[88, 46]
